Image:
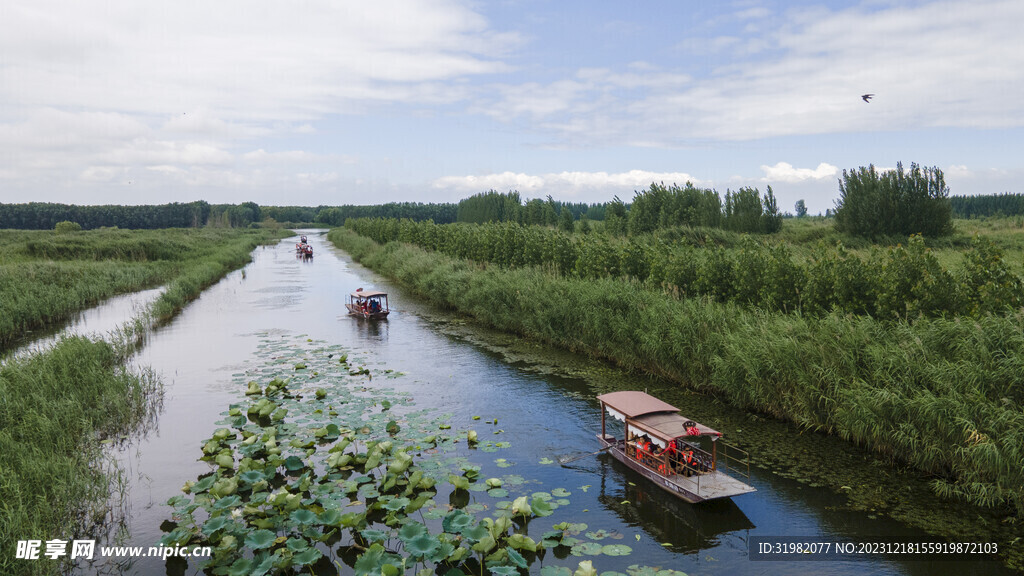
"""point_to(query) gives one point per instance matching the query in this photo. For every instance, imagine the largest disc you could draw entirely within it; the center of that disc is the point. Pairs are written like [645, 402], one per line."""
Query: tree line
[1005, 204]
[47, 215]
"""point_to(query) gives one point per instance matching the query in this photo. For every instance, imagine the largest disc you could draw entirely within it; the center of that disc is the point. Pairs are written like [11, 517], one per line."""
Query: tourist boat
[682, 457]
[370, 304]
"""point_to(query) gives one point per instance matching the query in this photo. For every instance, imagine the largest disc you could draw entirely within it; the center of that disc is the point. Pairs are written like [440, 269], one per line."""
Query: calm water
[542, 399]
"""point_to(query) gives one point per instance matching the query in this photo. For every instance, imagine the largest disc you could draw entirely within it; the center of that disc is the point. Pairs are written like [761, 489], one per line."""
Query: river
[545, 406]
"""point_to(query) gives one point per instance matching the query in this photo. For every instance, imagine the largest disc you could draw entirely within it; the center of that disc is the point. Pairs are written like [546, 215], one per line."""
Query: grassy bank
[56, 408]
[45, 276]
[942, 395]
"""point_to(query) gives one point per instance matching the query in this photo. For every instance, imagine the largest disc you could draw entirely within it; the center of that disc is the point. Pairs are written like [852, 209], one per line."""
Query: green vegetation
[313, 455]
[904, 202]
[981, 206]
[902, 282]
[943, 395]
[45, 275]
[56, 409]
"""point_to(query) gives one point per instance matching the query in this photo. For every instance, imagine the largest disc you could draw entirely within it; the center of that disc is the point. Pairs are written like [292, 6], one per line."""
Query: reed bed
[900, 282]
[46, 276]
[56, 409]
[942, 394]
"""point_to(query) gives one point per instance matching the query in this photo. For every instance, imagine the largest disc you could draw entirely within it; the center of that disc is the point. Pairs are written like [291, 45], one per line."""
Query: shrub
[894, 202]
[67, 226]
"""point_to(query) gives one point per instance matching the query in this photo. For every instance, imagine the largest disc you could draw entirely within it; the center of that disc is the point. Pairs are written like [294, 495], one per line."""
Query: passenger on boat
[374, 306]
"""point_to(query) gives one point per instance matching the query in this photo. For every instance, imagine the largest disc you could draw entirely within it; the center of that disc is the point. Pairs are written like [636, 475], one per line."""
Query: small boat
[370, 304]
[671, 450]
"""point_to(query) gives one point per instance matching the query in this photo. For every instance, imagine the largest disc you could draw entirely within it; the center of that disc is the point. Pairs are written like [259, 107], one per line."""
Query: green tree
[895, 202]
[565, 221]
[801, 208]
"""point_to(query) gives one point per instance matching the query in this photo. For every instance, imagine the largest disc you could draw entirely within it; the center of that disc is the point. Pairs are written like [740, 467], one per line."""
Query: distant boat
[664, 447]
[371, 304]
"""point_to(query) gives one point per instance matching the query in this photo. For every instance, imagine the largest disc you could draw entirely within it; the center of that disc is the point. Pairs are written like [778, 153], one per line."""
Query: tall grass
[46, 276]
[943, 395]
[55, 408]
[905, 282]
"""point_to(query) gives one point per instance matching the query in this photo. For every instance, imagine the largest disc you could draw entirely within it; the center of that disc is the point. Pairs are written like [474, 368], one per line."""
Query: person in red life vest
[668, 454]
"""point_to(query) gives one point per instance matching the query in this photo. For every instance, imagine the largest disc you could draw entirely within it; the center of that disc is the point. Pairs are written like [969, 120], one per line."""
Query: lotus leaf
[293, 463]
[214, 524]
[396, 504]
[251, 476]
[456, 522]
[411, 531]
[306, 557]
[330, 518]
[303, 516]
[586, 549]
[560, 493]
[498, 492]
[296, 544]
[504, 570]
[616, 550]
[555, 571]
[423, 545]
[260, 539]
[241, 567]
[585, 568]
[541, 507]
[522, 542]
[229, 502]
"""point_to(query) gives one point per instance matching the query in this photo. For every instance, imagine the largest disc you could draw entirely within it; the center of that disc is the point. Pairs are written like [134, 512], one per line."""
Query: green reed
[57, 408]
[943, 395]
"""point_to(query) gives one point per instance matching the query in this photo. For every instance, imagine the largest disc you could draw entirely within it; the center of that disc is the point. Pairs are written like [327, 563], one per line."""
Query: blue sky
[330, 102]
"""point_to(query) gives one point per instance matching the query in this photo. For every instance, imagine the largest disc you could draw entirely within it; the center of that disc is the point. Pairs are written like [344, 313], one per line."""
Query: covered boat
[683, 457]
[370, 304]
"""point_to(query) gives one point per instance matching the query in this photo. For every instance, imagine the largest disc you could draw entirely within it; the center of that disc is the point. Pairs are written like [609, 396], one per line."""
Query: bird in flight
[867, 97]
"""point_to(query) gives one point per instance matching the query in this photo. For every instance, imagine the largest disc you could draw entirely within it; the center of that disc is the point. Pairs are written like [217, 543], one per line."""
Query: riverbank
[931, 394]
[59, 408]
[47, 276]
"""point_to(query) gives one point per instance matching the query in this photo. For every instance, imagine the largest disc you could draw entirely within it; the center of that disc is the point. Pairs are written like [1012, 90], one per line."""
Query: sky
[315, 102]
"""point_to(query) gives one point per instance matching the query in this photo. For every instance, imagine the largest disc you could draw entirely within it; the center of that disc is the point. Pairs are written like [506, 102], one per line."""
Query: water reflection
[686, 528]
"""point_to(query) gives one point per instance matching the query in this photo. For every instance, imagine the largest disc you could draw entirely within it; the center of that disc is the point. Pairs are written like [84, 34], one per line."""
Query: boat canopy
[368, 294]
[645, 414]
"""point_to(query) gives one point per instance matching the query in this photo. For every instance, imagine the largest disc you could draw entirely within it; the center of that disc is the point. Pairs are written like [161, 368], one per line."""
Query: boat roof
[651, 415]
[632, 404]
[368, 294]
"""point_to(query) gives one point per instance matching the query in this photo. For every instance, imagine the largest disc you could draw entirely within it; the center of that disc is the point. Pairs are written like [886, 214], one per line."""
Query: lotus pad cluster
[320, 470]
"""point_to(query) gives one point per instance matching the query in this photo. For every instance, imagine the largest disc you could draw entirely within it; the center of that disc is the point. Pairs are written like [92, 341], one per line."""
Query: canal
[808, 485]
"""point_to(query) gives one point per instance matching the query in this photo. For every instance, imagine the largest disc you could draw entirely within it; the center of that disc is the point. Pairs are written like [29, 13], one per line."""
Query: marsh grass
[45, 276]
[943, 395]
[57, 409]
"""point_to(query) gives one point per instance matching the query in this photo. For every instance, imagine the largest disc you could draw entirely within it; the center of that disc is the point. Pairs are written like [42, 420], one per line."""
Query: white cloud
[785, 172]
[582, 186]
[931, 64]
[89, 91]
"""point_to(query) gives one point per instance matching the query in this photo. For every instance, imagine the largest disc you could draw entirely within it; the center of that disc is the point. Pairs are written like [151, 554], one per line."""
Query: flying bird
[867, 97]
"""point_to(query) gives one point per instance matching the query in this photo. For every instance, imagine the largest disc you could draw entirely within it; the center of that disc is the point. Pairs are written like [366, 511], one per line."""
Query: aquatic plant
[307, 470]
[943, 395]
[58, 408]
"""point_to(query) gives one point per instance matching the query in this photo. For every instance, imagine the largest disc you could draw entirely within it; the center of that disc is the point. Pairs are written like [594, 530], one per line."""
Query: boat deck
[696, 488]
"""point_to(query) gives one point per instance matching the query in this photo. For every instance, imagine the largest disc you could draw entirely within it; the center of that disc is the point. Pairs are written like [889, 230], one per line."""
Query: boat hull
[693, 489]
[358, 313]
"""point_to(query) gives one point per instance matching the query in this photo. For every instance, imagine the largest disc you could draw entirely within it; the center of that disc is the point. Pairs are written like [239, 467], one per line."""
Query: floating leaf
[303, 516]
[423, 545]
[586, 549]
[616, 550]
[260, 539]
